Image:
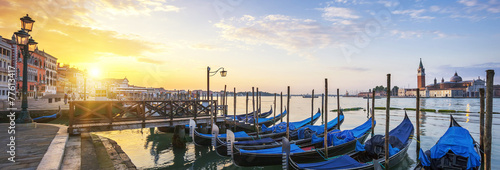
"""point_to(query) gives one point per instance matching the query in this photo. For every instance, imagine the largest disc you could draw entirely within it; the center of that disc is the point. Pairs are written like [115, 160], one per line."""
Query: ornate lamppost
[27, 45]
[223, 73]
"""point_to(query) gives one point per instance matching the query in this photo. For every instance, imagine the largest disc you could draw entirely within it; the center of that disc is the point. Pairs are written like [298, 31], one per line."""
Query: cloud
[62, 29]
[413, 13]
[412, 34]
[132, 7]
[337, 14]
[284, 32]
[149, 60]
[204, 46]
[468, 2]
[356, 69]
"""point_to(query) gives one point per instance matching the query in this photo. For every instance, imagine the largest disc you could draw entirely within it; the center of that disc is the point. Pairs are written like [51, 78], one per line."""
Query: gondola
[456, 149]
[306, 151]
[371, 158]
[263, 143]
[243, 117]
[45, 119]
[249, 125]
[205, 139]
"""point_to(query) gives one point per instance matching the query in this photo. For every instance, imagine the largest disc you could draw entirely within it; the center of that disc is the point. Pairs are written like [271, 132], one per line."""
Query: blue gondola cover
[278, 150]
[342, 162]
[458, 140]
[317, 129]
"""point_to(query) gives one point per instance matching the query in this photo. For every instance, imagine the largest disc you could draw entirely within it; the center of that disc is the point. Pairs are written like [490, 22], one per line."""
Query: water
[151, 149]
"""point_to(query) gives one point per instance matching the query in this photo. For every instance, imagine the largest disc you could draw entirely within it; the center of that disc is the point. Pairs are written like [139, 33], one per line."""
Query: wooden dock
[94, 116]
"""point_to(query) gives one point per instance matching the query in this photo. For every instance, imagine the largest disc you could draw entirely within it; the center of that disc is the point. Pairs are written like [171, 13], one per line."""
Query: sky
[266, 44]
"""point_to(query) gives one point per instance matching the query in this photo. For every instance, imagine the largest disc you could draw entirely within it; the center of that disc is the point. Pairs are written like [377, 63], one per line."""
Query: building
[50, 65]
[70, 80]
[456, 87]
[7, 51]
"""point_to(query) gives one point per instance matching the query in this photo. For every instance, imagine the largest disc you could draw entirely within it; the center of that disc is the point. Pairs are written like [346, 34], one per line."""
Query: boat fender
[215, 133]
[229, 142]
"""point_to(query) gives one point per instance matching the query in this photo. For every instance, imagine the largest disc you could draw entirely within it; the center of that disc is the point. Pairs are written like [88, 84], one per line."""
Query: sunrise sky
[266, 44]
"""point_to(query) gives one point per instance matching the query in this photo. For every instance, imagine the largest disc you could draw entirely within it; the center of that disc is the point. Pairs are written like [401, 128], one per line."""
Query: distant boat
[309, 96]
[376, 97]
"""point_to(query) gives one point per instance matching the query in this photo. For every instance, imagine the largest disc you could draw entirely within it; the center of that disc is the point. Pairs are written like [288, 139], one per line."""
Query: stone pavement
[43, 104]
[31, 144]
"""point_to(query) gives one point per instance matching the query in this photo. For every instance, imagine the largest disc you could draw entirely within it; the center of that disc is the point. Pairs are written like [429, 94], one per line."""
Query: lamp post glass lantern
[223, 73]
[27, 45]
[27, 23]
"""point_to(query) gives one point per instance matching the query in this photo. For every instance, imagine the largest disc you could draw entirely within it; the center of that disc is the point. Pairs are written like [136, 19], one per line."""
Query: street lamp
[223, 73]
[27, 46]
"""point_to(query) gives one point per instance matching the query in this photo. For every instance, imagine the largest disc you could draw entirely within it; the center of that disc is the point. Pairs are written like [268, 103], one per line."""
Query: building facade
[456, 87]
[7, 49]
[50, 79]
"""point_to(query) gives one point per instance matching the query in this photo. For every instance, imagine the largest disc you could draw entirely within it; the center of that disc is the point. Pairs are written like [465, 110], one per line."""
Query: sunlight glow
[95, 72]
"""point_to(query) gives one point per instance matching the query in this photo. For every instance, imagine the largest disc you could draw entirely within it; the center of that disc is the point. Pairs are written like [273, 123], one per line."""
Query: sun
[95, 72]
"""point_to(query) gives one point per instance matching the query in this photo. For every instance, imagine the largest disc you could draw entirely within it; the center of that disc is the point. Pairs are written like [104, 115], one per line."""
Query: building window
[3, 92]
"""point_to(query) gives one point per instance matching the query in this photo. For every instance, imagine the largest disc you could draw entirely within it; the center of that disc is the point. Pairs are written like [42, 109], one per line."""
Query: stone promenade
[31, 144]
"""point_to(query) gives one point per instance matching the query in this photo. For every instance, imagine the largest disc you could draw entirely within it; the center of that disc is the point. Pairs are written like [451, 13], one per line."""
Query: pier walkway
[94, 116]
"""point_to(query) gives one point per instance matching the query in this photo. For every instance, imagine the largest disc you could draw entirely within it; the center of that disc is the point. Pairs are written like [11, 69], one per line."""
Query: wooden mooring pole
[224, 106]
[246, 111]
[338, 109]
[281, 105]
[274, 111]
[312, 106]
[234, 110]
[368, 106]
[373, 113]
[253, 106]
[417, 117]
[258, 113]
[481, 122]
[489, 118]
[387, 118]
[322, 108]
[325, 142]
[288, 113]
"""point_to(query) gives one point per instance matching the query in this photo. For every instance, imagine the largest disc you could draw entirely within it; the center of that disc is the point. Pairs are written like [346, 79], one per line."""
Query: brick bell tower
[421, 76]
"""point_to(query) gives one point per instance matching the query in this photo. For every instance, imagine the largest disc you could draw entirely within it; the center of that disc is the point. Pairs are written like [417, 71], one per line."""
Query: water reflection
[159, 143]
[152, 149]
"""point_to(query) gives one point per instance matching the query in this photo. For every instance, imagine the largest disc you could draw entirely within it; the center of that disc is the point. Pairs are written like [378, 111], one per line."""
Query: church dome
[456, 78]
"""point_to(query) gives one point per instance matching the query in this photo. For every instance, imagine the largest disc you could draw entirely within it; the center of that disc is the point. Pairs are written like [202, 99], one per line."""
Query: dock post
[212, 109]
[178, 140]
[312, 106]
[224, 110]
[368, 106]
[274, 111]
[481, 123]
[373, 112]
[417, 117]
[288, 114]
[260, 102]
[246, 112]
[234, 104]
[253, 106]
[325, 142]
[322, 108]
[258, 113]
[387, 118]
[489, 117]
[338, 109]
[281, 105]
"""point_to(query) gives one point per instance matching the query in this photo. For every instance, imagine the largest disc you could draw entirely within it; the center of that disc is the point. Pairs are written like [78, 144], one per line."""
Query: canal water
[152, 149]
